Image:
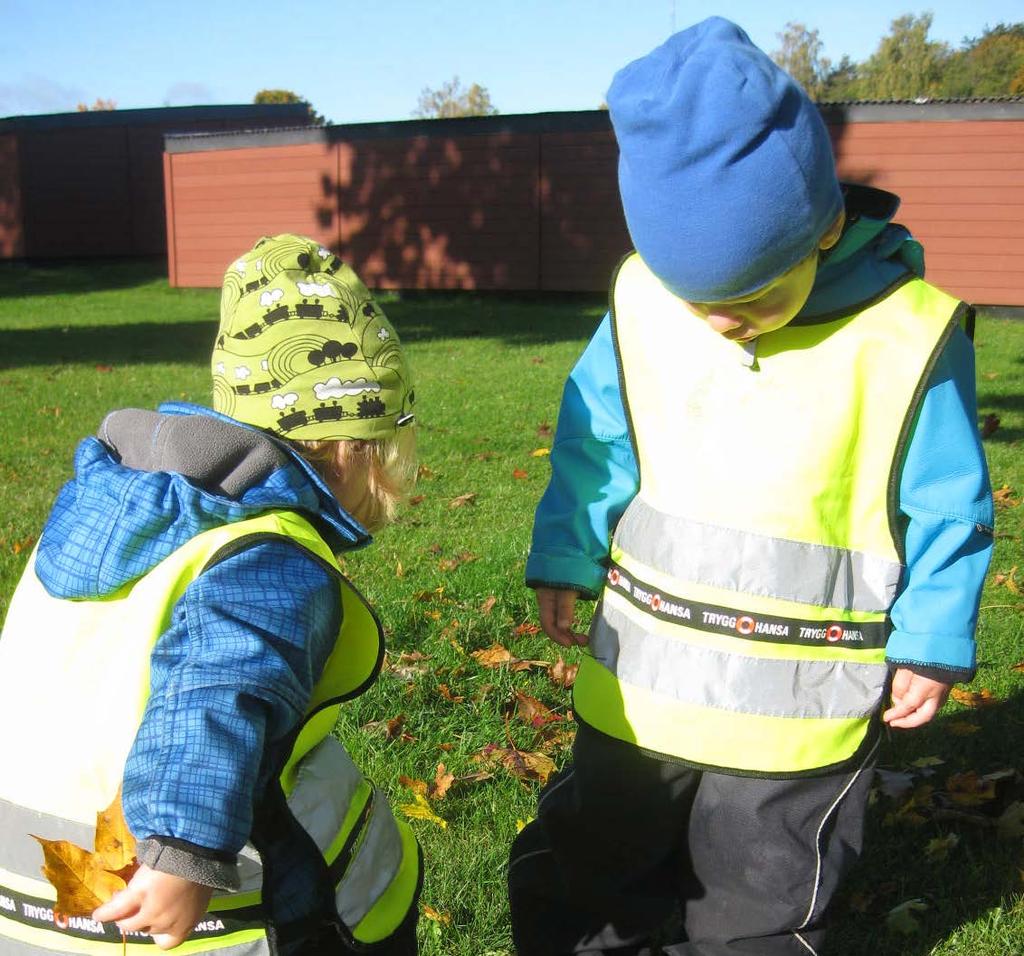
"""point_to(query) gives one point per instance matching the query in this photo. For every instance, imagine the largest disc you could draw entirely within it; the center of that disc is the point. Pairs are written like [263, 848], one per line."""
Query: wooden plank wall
[11, 227]
[540, 210]
[962, 189]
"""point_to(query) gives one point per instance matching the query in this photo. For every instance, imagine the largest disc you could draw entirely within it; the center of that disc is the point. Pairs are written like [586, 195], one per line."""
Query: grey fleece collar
[213, 454]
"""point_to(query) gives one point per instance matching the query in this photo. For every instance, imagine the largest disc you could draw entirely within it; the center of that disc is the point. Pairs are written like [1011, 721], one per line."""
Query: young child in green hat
[185, 611]
[767, 467]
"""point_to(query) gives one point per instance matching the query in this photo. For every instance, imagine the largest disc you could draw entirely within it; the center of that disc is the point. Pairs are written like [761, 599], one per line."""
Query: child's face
[770, 307]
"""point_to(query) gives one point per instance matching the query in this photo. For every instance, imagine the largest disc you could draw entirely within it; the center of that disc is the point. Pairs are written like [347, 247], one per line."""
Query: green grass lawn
[76, 341]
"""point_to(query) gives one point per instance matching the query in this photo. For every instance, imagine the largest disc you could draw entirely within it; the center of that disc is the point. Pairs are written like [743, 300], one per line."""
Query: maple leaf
[901, 918]
[989, 425]
[86, 879]
[496, 655]
[436, 915]
[468, 498]
[970, 790]
[974, 699]
[519, 474]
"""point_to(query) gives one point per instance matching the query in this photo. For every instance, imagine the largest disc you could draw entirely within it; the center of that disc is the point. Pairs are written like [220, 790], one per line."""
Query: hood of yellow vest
[152, 480]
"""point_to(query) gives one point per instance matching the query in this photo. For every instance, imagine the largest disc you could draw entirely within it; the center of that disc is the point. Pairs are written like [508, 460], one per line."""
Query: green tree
[451, 99]
[989, 65]
[906, 65]
[287, 96]
[800, 56]
[842, 84]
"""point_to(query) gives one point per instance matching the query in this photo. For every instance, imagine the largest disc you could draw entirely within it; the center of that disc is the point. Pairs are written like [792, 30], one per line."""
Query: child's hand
[165, 907]
[556, 609]
[915, 699]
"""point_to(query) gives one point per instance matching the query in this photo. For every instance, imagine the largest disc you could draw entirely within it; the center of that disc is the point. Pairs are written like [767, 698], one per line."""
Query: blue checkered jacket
[232, 675]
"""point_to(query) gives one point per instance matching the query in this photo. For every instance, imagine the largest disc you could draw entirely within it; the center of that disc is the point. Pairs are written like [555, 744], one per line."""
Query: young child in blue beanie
[774, 429]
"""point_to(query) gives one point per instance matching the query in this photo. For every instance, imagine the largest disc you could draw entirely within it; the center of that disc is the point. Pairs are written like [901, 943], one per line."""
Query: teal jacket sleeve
[593, 476]
[946, 501]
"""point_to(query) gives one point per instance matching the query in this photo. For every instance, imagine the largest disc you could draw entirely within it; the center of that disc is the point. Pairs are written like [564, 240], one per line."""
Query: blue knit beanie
[725, 166]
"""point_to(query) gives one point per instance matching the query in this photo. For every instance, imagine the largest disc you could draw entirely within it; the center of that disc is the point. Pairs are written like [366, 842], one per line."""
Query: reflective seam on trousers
[742, 561]
[377, 861]
[704, 677]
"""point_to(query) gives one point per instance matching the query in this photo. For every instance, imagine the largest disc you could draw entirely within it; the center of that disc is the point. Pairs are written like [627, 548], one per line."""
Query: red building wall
[11, 234]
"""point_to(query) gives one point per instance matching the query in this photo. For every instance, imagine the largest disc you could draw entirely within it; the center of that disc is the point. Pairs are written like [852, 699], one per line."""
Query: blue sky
[358, 62]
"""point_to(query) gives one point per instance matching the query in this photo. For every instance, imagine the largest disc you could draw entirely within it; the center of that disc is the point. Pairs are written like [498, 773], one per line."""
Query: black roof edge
[179, 116]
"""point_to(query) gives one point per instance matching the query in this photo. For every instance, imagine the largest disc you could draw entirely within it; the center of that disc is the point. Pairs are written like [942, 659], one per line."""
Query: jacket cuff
[190, 862]
[566, 573]
[949, 653]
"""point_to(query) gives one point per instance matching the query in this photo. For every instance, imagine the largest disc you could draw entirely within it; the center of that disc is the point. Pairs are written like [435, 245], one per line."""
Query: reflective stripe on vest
[744, 620]
[97, 655]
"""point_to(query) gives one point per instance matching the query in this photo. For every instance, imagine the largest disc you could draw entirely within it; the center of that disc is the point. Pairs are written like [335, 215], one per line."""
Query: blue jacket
[233, 674]
[944, 495]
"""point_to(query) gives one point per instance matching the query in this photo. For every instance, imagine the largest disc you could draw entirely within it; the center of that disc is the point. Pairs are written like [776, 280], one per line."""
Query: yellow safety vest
[65, 763]
[743, 623]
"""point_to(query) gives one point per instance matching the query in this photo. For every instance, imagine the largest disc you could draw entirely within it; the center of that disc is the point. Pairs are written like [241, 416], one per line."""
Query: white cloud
[271, 296]
[240, 267]
[322, 252]
[265, 365]
[336, 388]
[284, 401]
[323, 289]
[242, 372]
[219, 367]
[189, 94]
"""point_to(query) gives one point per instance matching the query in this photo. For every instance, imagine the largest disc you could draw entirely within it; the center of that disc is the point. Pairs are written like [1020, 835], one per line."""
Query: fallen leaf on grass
[520, 763]
[497, 656]
[901, 919]
[420, 809]
[1007, 579]
[527, 628]
[974, 698]
[488, 605]
[445, 691]
[1010, 824]
[519, 474]
[939, 848]
[467, 499]
[23, 545]
[1019, 667]
[450, 564]
[544, 430]
[103, 368]
[562, 674]
[533, 712]
[962, 728]
[989, 425]
[417, 500]
[540, 452]
[436, 915]
[424, 472]
[411, 664]
[1003, 497]
[442, 783]
[486, 455]
[925, 762]
[392, 729]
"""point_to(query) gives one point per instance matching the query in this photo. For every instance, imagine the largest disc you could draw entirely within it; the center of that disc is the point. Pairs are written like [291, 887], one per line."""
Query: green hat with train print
[303, 350]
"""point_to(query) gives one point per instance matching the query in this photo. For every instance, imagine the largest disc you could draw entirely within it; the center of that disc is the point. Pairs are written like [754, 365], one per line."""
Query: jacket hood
[153, 480]
[872, 256]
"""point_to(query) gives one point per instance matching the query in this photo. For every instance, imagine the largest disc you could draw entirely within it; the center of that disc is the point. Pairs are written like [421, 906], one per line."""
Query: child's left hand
[165, 907]
[915, 699]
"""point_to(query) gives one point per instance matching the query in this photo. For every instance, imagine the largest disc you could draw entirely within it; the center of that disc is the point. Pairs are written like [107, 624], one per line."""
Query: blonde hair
[369, 477]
